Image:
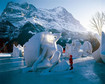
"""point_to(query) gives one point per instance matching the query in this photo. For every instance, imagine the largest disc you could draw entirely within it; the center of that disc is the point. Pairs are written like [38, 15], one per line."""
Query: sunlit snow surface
[5, 55]
[86, 71]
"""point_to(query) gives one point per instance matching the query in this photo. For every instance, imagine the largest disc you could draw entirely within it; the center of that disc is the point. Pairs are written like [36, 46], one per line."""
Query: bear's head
[49, 38]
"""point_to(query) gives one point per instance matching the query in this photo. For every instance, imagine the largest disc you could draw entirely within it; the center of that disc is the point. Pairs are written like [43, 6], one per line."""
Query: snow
[39, 45]
[77, 50]
[86, 71]
[62, 66]
[17, 51]
[5, 55]
[73, 49]
[99, 54]
[44, 53]
[98, 37]
[32, 47]
[87, 48]
[103, 46]
[59, 47]
[32, 32]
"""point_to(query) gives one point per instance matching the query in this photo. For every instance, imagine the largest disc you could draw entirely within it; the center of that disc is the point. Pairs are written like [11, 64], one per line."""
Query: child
[71, 62]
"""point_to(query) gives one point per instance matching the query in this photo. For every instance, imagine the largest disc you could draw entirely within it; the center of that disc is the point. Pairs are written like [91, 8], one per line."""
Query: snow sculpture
[97, 55]
[57, 67]
[76, 44]
[46, 63]
[103, 47]
[41, 51]
[73, 49]
[39, 45]
[62, 66]
[87, 48]
[17, 51]
[67, 50]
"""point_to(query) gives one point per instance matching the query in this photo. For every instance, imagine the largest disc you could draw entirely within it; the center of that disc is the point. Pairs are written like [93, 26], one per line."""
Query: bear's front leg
[34, 67]
[41, 57]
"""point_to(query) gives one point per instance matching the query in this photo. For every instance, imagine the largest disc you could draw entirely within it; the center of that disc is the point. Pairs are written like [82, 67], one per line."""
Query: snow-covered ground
[5, 55]
[86, 71]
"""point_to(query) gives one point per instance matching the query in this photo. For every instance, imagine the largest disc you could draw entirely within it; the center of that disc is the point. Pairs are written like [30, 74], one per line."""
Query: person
[64, 50]
[71, 62]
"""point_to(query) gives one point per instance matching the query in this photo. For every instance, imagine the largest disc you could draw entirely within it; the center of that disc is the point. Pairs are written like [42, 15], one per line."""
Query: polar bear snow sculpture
[87, 48]
[41, 49]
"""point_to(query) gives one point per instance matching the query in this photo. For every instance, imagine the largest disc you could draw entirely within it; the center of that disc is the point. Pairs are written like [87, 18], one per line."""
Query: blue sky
[82, 10]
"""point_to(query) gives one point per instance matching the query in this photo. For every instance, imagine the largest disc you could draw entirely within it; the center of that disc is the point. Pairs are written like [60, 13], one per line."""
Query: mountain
[19, 22]
[9, 34]
[7, 30]
[27, 31]
[57, 18]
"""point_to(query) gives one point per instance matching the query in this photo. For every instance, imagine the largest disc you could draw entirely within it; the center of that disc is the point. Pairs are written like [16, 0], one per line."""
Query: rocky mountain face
[7, 30]
[27, 31]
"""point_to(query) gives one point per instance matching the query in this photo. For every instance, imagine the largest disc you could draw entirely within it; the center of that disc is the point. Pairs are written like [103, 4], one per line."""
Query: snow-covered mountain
[57, 18]
[19, 22]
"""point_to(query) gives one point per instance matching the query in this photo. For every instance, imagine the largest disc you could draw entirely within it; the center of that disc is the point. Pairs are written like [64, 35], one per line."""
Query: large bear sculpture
[41, 49]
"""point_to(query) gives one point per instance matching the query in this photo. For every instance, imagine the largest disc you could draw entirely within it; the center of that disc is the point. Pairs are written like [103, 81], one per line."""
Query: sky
[82, 10]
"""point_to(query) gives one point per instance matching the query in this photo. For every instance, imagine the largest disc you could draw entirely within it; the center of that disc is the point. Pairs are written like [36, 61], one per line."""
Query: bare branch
[98, 21]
